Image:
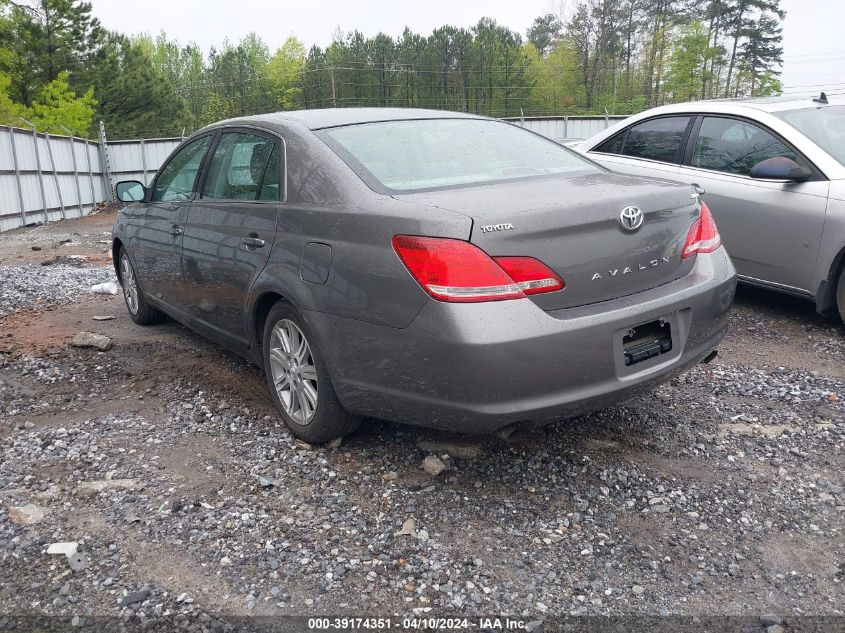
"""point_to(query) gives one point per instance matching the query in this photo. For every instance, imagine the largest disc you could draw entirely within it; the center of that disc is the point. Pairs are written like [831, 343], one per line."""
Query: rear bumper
[479, 367]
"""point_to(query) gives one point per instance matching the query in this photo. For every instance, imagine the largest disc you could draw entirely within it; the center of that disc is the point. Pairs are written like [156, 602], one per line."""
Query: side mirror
[130, 191]
[780, 168]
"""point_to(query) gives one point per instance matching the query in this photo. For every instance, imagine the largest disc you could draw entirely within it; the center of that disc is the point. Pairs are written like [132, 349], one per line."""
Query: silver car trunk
[572, 224]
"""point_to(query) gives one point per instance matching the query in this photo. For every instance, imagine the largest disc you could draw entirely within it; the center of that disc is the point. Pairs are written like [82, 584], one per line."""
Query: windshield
[824, 126]
[423, 154]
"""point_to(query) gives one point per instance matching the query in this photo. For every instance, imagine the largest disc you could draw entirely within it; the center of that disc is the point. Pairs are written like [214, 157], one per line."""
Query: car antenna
[822, 98]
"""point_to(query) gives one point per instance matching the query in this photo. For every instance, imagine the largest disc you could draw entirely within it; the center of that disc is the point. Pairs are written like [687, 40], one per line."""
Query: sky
[814, 50]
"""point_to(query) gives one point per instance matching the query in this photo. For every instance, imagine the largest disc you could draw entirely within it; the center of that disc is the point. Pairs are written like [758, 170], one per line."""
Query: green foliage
[767, 85]
[238, 75]
[10, 112]
[134, 98]
[285, 72]
[216, 108]
[544, 33]
[58, 110]
[614, 56]
[555, 78]
[50, 36]
[688, 61]
[55, 109]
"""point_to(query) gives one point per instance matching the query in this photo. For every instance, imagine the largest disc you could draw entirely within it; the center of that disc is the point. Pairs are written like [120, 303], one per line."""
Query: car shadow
[772, 304]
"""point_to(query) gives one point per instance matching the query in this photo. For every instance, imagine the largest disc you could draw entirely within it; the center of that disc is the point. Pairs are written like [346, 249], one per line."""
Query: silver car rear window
[409, 155]
[824, 126]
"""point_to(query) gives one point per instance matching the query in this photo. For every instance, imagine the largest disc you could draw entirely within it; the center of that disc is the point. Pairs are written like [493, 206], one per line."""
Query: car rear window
[410, 155]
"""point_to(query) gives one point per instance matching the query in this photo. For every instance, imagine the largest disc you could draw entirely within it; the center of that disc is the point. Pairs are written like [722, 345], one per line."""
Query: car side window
[734, 147]
[656, 139]
[271, 188]
[176, 179]
[237, 166]
[613, 145]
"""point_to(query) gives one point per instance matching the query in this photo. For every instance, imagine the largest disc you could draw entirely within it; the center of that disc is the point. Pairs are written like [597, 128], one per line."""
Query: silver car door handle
[175, 230]
[252, 242]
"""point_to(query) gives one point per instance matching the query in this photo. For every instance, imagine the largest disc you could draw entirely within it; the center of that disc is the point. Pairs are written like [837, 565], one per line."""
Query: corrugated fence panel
[124, 158]
[32, 197]
[72, 180]
[159, 150]
[9, 197]
[569, 128]
[25, 149]
[7, 162]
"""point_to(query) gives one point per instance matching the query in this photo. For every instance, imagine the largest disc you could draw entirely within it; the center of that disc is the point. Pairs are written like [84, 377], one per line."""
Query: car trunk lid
[572, 224]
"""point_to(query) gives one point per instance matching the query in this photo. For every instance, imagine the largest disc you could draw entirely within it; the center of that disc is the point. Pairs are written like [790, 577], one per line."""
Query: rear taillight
[531, 275]
[703, 236]
[457, 271]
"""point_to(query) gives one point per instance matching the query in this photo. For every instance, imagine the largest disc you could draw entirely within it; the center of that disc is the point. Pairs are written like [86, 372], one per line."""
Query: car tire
[140, 311]
[840, 295]
[299, 381]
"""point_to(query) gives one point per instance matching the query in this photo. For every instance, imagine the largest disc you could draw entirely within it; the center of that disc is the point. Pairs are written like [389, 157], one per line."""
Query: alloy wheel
[130, 286]
[293, 371]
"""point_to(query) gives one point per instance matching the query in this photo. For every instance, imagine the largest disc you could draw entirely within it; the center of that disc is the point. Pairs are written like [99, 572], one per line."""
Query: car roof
[332, 117]
[764, 104]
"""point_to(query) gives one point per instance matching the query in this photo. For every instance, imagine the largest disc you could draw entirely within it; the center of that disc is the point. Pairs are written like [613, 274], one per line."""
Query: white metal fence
[48, 177]
[567, 128]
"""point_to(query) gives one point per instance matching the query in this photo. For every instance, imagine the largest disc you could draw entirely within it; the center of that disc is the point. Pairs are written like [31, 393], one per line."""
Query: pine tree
[544, 33]
[52, 36]
[134, 99]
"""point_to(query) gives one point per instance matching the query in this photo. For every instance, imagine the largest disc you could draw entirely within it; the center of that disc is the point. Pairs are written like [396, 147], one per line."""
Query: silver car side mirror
[780, 168]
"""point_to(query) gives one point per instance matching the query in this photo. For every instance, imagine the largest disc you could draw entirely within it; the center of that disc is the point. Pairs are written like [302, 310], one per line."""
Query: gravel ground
[721, 493]
[31, 287]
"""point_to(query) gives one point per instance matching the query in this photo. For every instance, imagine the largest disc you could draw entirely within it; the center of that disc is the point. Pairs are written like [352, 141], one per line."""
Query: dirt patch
[84, 240]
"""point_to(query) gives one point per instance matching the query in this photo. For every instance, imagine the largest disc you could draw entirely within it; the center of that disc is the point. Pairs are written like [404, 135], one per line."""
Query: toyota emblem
[631, 218]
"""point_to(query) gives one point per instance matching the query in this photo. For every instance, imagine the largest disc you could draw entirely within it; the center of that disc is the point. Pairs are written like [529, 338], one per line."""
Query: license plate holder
[646, 341]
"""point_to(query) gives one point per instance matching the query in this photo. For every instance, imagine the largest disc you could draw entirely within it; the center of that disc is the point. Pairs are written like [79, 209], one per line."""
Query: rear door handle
[252, 242]
[175, 230]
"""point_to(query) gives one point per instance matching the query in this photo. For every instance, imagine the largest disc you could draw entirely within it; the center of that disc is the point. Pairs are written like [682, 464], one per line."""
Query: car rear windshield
[409, 155]
[824, 126]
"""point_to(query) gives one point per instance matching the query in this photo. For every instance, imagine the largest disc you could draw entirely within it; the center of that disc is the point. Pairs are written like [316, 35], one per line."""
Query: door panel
[636, 166]
[229, 232]
[157, 249]
[771, 229]
[219, 267]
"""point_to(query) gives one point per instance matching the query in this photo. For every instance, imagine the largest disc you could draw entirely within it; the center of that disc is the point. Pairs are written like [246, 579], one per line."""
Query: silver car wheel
[130, 286]
[293, 371]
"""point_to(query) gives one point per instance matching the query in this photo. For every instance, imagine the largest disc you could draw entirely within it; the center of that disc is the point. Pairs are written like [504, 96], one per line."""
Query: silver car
[774, 175]
[425, 267]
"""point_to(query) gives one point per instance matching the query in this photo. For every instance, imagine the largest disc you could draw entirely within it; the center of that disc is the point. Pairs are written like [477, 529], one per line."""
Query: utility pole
[334, 93]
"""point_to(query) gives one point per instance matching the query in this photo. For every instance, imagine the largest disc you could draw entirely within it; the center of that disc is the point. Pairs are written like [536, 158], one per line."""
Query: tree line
[61, 71]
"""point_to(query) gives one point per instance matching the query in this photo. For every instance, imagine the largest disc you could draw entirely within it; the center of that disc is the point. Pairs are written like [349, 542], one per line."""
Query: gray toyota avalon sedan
[427, 267]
